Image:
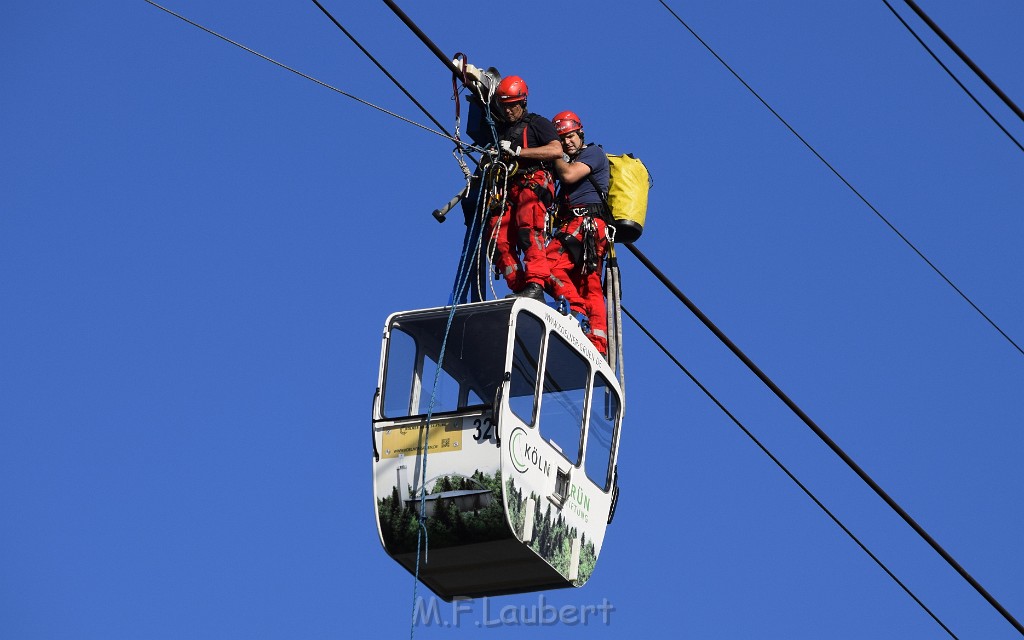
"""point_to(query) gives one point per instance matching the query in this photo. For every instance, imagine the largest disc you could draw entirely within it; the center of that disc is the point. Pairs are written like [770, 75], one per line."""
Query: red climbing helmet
[512, 89]
[566, 122]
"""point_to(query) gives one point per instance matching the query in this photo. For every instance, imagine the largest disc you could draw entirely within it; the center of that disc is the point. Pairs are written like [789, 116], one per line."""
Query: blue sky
[198, 251]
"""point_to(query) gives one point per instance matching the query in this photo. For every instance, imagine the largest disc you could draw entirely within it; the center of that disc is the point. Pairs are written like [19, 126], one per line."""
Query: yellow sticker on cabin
[444, 437]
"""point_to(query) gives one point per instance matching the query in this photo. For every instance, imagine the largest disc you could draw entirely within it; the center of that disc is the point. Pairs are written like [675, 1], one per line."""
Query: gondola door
[560, 428]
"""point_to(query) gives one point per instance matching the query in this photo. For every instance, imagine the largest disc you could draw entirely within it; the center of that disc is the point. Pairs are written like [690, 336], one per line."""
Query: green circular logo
[514, 449]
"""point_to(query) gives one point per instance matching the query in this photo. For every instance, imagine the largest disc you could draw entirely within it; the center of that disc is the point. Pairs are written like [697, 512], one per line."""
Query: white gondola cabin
[520, 480]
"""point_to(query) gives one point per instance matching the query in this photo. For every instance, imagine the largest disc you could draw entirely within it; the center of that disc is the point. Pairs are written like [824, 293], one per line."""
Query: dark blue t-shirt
[583, 192]
[538, 132]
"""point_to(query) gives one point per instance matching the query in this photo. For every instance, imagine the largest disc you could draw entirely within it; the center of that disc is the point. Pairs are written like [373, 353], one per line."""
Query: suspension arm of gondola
[826, 439]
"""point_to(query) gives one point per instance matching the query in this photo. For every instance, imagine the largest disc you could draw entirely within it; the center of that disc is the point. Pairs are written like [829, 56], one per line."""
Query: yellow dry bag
[628, 184]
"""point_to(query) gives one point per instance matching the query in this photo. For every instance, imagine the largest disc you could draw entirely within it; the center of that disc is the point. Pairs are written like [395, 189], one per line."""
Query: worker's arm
[548, 152]
[571, 172]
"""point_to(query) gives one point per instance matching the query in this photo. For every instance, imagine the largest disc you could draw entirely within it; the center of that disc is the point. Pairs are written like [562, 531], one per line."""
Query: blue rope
[471, 252]
[422, 533]
[472, 247]
[462, 277]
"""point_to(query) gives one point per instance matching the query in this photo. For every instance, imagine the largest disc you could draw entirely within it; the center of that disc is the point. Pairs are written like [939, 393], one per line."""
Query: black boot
[532, 290]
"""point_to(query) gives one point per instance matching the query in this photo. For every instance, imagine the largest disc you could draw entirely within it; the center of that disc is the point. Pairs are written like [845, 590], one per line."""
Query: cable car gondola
[516, 471]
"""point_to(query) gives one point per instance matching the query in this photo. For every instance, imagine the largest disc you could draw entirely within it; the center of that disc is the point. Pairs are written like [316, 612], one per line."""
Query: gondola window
[566, 374]
[525, 360]
[604, 413]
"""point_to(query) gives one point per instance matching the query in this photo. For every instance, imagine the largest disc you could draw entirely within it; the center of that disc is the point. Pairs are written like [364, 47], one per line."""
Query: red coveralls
[583, 291]
[522, 224]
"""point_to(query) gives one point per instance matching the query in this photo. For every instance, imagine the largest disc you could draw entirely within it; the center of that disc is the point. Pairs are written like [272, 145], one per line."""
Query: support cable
[963, 56]
[847, 183]
[821, 434]
[422, 36]
[825, 438]
[383, 70]
[785, 470]
[311, 78]
[955, 79]
[665, 281]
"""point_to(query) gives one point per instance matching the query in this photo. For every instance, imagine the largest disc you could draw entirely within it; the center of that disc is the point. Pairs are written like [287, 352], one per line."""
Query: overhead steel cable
[963, 56]
[824, 437]
[951, 75]
[647, 263]
[786, 470]
[436, 50]
[311, 78]
[754, 368]
[381, 67]
[846, 182]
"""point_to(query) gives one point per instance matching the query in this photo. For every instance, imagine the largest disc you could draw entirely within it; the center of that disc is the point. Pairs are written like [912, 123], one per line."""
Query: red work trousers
[583, 291]
[520, 228]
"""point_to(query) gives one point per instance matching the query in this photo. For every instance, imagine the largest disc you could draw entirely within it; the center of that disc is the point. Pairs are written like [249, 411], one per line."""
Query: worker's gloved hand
[506, 147]
[473, 73]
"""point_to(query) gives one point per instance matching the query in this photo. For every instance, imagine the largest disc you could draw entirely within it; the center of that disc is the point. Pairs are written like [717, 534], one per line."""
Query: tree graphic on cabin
[448, 526]
[552, 537]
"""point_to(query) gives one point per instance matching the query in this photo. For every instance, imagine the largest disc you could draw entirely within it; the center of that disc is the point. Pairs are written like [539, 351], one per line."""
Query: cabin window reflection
[566, 375]
[604, 413]
[445, 393]
[409, 381]
[399, 381]
[474, 346]
[472, 398]
[525, 359]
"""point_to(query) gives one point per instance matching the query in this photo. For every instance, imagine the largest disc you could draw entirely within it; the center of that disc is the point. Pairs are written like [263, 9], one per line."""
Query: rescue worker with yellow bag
[580, 238]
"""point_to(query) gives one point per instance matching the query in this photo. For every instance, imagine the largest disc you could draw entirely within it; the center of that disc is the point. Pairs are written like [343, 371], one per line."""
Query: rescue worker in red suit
[576, 251]
[530, 141]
